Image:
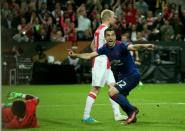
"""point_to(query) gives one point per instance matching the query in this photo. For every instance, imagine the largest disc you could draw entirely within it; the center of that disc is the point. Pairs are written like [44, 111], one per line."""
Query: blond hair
[106, 14]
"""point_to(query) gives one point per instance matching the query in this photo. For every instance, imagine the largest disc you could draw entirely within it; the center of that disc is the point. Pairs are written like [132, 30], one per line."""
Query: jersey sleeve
[124, 47]
[31, 104]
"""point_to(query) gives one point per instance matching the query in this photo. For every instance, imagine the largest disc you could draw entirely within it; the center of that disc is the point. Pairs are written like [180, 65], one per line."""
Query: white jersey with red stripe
[99, 42]
[99, 36]
[101, 72]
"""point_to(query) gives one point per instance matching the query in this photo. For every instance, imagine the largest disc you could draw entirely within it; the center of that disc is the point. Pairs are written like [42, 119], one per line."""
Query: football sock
[115, 108]
[124, 103]
[88, 106]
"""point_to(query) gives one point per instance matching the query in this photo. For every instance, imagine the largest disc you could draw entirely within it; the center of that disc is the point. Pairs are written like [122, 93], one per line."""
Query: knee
[111, 85]
[113, 91]
[95, 90]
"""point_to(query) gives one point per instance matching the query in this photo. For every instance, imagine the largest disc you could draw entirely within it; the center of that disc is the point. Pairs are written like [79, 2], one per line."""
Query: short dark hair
[19, 108]
[108, 29]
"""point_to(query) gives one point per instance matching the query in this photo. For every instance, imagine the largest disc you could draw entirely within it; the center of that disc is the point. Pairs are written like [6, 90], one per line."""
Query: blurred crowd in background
[74, 20]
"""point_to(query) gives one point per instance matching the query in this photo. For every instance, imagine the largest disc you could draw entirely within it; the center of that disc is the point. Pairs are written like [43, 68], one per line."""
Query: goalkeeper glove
[14, 95]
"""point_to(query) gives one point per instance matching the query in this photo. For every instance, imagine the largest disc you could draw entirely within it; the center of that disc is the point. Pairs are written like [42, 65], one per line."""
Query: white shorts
[100, 74]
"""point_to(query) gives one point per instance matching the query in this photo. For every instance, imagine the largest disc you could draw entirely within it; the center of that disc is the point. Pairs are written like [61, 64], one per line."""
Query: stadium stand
[54, 26]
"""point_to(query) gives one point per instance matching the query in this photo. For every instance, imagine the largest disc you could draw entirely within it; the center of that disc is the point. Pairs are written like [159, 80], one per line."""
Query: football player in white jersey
[101, 72]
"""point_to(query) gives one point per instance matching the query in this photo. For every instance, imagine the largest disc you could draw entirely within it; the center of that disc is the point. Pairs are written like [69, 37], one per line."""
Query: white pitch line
[73, 105]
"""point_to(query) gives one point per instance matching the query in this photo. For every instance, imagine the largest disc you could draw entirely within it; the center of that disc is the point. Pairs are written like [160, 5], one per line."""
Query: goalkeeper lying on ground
[21, 113]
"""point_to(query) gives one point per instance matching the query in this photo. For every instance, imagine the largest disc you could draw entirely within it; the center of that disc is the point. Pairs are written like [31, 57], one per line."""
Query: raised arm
[86, 56]
[141, 46]
[28, 97]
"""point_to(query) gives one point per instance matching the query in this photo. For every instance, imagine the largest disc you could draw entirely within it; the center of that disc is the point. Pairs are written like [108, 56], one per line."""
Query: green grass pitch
[162, 108]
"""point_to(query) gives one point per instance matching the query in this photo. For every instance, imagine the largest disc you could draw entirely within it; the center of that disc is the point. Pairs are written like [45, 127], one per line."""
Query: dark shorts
[126, 84]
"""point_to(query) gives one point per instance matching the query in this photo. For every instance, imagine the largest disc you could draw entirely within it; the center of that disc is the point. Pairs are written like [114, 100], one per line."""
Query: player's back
[99, 36]
[99, 39]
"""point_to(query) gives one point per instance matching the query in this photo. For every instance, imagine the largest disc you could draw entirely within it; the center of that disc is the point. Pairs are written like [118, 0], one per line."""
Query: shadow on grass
[177, 124]
[72, 124]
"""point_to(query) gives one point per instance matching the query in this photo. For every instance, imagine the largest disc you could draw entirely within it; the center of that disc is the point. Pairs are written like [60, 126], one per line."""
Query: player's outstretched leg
[117, 114]
[127, 107]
